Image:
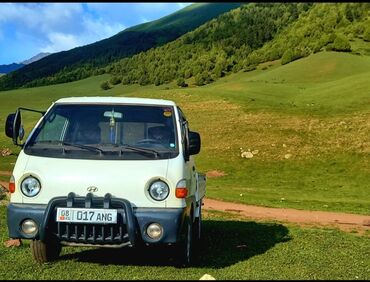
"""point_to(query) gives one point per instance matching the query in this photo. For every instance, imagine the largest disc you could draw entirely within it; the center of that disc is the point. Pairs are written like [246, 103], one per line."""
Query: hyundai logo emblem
[92, 189]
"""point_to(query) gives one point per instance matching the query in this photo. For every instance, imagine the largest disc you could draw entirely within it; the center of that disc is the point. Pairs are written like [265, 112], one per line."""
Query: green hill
[234, 41]
[211, 50]
[83, 61]
[320, 67]
[244, 37]
[322, 84]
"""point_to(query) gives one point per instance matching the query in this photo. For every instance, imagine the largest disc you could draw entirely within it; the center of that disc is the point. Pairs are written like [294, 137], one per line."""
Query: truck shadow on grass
[224, 243]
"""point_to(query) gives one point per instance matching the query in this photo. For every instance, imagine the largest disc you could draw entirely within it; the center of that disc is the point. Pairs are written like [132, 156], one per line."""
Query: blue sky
[27, 29]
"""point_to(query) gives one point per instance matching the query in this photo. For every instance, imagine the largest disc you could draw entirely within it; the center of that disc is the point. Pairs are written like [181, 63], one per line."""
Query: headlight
[159, 190]
[30, 186]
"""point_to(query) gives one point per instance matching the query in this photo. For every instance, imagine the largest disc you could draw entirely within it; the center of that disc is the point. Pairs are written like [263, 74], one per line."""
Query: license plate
[86, 215]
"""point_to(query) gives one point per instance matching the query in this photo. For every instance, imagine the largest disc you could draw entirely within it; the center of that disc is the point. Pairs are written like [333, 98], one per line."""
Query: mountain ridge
[35, 58]
[81, 62]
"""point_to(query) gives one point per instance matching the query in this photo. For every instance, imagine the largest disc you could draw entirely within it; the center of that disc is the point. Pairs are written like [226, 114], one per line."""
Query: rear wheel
[45, 251]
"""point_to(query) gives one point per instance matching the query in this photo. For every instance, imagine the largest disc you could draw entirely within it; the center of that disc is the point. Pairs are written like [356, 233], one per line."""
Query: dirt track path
[346, 222]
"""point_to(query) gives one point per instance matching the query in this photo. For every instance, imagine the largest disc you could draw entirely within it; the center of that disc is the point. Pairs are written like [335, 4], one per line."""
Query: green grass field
[309, 121]
[256, 250]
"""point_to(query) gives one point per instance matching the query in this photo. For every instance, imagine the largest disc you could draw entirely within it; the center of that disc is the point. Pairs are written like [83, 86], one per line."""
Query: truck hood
[122, 179]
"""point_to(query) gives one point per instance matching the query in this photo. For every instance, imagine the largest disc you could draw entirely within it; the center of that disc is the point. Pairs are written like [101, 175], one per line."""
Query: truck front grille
[93, 233]
[122, 232]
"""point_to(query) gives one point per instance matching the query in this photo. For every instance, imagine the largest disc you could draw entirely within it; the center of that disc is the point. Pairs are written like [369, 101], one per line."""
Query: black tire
[198, 224]
[185, 248]
[45, 251]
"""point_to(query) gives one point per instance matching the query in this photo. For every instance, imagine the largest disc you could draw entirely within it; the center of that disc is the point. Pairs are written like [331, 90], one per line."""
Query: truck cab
[106, 172]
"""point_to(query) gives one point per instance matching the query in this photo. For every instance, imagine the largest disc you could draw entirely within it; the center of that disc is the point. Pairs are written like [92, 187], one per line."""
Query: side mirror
[13, 127]
[194, 143]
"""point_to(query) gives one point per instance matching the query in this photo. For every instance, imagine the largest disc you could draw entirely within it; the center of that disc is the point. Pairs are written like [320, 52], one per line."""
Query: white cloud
[54, 27]
[183, 5]
[134, 13]
[98, 29]
[58, 26]
[60, 42]
[42, 17]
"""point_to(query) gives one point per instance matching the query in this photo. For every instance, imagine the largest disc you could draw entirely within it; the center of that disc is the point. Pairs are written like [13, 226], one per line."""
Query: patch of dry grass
[225, 127]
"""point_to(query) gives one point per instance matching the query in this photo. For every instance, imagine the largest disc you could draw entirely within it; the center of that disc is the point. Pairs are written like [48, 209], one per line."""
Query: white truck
[106, 172]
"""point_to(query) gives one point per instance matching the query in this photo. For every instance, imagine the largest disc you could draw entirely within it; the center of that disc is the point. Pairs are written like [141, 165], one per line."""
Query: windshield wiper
[86, 147]
[139, 149]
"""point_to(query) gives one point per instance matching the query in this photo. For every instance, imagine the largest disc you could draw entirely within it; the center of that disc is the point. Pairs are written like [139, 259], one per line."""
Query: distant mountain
[84, 61]
[39, 56]
[4, 69]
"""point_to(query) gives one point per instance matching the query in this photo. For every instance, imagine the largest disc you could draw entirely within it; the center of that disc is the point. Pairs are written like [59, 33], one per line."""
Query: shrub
[291, 55]
[105, 85]
[329, 47]
[157, 81]
[366, 36]
[181, 82]
[287, 57]
[99, 71]
[115, 80]
[342, 44]
[250, 68]
[199, 79]
[125, 80]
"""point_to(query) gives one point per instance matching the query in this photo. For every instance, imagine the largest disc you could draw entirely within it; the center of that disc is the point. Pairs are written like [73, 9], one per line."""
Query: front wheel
[198, 224]
[186, 247]
[45, 251]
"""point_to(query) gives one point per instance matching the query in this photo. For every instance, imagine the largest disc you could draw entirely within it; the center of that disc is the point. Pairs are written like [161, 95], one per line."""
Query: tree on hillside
[287, 57]
[105, 85]
[181, 82]
[115, 80]
[341, 44]
[366, 36]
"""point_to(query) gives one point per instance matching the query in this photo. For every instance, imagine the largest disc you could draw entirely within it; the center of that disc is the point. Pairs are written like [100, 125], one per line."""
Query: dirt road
[346, 222]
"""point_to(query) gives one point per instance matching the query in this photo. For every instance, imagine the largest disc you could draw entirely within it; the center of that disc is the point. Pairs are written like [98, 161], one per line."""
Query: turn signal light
[12, 184]
[181, 190]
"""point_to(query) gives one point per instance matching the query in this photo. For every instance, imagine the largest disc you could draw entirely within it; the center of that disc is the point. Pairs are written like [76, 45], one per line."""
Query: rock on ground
[13, 243]
[207, 277]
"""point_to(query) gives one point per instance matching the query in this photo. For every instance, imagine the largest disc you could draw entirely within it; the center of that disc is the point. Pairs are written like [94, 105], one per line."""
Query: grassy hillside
[82, 62]
[213, 49]
[244, 37]
[323, 84]
[309, 132]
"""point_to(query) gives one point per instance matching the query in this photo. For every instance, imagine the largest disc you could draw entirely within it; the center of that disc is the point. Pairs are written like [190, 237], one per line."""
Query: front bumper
[131, 222]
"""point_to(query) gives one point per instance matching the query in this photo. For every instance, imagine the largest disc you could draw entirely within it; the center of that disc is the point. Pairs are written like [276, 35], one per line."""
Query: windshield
[96, 131]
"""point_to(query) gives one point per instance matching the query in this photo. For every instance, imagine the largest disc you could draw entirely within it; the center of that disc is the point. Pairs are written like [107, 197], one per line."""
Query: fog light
[154, 231]
[29, 227]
